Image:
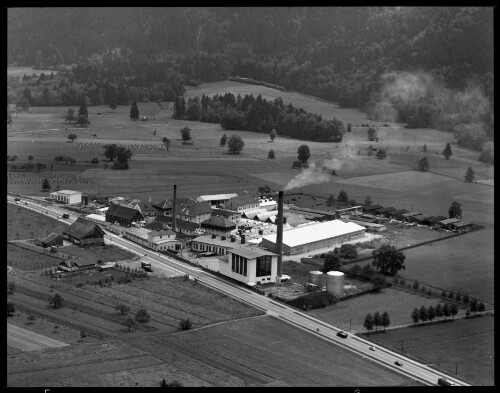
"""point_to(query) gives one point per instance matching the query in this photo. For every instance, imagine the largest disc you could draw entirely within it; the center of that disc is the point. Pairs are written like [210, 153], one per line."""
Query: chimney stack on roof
[279, 235]
[173, 207]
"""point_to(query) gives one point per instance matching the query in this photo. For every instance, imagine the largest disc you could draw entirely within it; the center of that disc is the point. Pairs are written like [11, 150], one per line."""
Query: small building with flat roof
[67, 196]
[214, 200]
[250, 265]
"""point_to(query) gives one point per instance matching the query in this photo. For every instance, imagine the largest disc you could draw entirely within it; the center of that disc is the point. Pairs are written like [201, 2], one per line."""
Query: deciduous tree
[70, 115]
[423, 314]
[455, 210]
[271, 154]
[57, 300]
[272, 135]
[142, 316]
[46, 184]
[332, 262]
[129, 322]
[415, 315]
[185, 133]
[453, 309]
[372, 133]
[368, 201]
[123, 308]
[72, 137]
[423, 165]
[431, 312]
[368, 323]
[388, 260]
[330, 200]
[235, 144]
[446, 310]
[83, 120]
[386, 321]
[377, 320]
[11, 308]
[439, 311]
[223, 140]
[303, 153]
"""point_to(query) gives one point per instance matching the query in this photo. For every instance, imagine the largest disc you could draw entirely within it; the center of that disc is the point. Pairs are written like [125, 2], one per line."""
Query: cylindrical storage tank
[335, 283]
[315, 278]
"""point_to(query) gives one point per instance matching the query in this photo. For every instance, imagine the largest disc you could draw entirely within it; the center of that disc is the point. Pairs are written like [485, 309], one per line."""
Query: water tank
[315, 278]
[335, 283]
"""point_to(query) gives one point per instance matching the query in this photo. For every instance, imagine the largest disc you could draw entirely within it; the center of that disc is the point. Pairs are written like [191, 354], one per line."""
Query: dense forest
[259, 115]
[424, 66]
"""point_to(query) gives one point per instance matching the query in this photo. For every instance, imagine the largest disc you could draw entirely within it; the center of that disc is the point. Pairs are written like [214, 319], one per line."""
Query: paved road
[26, 340]
[382, 356]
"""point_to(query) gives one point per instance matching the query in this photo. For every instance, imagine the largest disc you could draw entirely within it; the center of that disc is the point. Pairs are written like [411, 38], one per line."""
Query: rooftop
[251, 252]
[122, 211]
[68, 192]
[217, 197]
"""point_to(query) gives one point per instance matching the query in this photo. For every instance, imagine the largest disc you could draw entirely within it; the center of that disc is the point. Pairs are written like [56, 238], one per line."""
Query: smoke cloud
[315, 173]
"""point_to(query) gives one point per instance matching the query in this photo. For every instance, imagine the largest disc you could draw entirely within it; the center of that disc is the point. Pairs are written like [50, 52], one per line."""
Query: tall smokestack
[279, 235]
[173, 209]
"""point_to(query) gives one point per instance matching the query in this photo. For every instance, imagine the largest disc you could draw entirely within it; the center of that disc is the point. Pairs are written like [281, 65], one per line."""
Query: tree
[185, 324]
[31, 318]
[83, 120]
[368, 324]
[11, 308]
[439, 311]
[134, 111]
[453, 309]
[30, 158]
[368, 271]
[95, 160]
[122, 157]
[72, 137]
[348, 251]
[378, 284]
[186, 133]
[46, 185]
[377, 320]
[123, 308]
[330, 200]
[82, 111]
[473, 304]
[82, 334]
[223, 140]
[446, 310]
[11, 287]
[353, 202]
[416, 285]
[174, 384]
[381, 154]
[129, 322]
[431, 312]
[142, 316]
[70, 115]
[372, 133]
[271, 154]
[481, 307]
[424, 148]
[368, 201]
[423, 314]
[272, 135]
[110, 151]
[455, 210]
[469, 176]
[447, 153]
[349, 127]
[303, 153]
[56, 300]
[388, 260]
[9, 117]
[423, 165]
[487, 155]
[235, 144]
[166, 142]
[332, 262]
[113, 104]
[465, 299]
[415, 315]
[342, 197]
[386, 321]
[39, 166]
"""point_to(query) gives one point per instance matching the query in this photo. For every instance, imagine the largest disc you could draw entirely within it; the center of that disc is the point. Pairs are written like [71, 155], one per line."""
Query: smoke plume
[315, 173]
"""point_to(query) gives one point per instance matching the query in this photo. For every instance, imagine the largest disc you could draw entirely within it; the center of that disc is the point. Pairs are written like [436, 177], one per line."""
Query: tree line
[257, 114]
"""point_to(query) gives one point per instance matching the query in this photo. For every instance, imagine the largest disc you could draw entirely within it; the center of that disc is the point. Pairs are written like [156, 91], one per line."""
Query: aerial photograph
[250, 197]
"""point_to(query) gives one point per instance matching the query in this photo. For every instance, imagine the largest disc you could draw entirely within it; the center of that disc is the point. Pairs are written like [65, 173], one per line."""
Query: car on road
[398, 363]
[372, 348]
[445, 382]
[17, 199]
[65, 215]
[285, 277]
[342, 334]
[25, 203]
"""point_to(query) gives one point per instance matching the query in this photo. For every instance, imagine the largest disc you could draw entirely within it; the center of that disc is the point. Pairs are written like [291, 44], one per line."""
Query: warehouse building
[213, 243]
[385, 211]
[243, 203]
[397, 213]
[371, 208]
[250, 265]
[67, 196]
[214, 200]
[419, 219]
[231, 215]
[311, 237]
[461, 226]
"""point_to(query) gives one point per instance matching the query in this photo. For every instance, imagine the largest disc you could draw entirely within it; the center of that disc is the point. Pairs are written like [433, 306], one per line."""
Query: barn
[397, 214]
[311, 237]
[84, 232]
[386, 210]
[407, 216]
[433, 219]
[52, 239]
[461, 226]
[446, 224]
[123, 215]
[371, 208]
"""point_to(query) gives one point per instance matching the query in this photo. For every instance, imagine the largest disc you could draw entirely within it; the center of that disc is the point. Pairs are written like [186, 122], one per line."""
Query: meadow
[464, 345]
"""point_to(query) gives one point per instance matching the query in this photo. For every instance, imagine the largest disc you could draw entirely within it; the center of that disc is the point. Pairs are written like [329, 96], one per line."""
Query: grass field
[466, 343]
[23, 259]
[108, 253]
[351, 313]
[29, 224]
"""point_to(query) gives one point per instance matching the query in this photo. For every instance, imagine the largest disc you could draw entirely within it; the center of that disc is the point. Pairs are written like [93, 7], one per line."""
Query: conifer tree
[134, 111]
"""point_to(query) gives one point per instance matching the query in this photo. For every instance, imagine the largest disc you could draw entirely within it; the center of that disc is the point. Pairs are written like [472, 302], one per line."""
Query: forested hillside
[364, 57]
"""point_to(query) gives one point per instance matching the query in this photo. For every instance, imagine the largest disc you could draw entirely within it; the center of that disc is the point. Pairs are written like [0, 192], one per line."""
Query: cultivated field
[464, 345]
[23, 259]
[107, 253]
[352, 312]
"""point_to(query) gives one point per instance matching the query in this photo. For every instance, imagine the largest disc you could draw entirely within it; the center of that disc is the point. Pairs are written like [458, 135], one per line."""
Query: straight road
[382, 356]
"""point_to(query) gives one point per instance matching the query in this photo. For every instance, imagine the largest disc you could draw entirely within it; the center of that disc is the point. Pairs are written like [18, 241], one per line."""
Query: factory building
[215, 200]
[67, 196]
[311, 237]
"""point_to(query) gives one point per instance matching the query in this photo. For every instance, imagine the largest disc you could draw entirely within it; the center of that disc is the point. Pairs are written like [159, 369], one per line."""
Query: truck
[445, 382]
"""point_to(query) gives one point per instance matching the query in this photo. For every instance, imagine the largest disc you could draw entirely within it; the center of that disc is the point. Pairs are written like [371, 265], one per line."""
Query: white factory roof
[96, 217]
[217, 197]
[251, 252]
[315, 232]
[66, 192]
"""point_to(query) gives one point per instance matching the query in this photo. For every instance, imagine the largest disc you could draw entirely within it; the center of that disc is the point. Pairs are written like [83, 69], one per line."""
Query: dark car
[342, 334]
[65, 215]
[398, 363]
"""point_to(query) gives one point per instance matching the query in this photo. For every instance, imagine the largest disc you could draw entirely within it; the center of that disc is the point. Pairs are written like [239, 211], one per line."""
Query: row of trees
[259, 115]
[376, 320]
[429, 313]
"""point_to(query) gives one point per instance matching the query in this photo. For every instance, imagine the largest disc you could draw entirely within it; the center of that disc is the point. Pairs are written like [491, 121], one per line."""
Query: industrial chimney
[173, 207]
[279, 235]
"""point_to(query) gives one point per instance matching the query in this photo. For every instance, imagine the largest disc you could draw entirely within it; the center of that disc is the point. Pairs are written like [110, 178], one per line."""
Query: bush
[185, 324]
[142, 316]
[95, 160]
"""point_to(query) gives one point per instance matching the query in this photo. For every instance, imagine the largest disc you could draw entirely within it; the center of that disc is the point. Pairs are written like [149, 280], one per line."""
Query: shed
[52, 239]
[371, 208]
[396, 213]
[123, 215]
[406, 216]
[386, 210]
[446, 223]
[461, 225]
[433, 219]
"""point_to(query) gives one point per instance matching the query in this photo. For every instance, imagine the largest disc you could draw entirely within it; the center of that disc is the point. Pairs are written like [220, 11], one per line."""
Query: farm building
[106, 266]
[67, 196]
[396, 213]
[186, 209]
[348, 211]
[419, 219]
[446, 224]
[214, 200]
[84, 232]
[370, 226]
[213, 243]
[242, 204]
[371, 208]
[137, 235]
[218, 225]
[385, 211]
[407, 216]
[71, 266]
[250, 265]
[433, 219]
[314, 236]
[52, 239]
[461, 226]
[232, 215]
[123, 215]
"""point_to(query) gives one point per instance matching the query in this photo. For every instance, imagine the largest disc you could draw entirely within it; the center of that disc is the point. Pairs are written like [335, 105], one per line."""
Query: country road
[360, 346]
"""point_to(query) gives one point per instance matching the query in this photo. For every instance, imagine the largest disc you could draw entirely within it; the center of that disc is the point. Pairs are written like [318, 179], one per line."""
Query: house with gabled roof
[186, 209]
[218, 225]
[123, 215]
[84, 232]
[243, 203]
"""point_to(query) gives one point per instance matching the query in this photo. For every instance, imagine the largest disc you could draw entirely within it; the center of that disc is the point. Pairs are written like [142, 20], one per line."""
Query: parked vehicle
[372, 348]
[145, 264]
[342, 334]
[398, 363]
[17, 199]
[65, 215]
[445, 382]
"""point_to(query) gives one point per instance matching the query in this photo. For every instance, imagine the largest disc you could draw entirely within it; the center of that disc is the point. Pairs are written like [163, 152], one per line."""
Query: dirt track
[29, 341]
